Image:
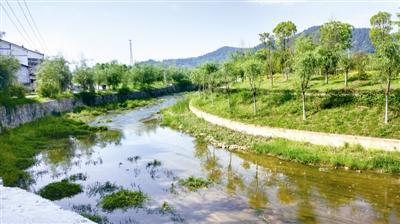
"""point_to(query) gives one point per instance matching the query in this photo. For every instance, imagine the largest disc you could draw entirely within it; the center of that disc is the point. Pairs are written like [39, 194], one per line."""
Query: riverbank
[12, 117]
[20, 206]
[349, 157]
[54, 135]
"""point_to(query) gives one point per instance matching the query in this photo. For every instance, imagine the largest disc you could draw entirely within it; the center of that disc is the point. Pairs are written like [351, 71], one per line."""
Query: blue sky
[99, 31]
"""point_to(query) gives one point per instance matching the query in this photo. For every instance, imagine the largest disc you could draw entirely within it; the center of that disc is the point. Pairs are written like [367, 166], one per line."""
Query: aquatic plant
[101, 188]
[59, 190]
[78, 176]
[153, 164]
[194, 183]
[123, 199]
[95, 218]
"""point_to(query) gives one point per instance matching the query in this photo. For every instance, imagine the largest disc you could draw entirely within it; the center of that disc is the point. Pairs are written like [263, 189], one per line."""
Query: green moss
[59, 190]
[194, 183]
[352, 157]
[123, 199]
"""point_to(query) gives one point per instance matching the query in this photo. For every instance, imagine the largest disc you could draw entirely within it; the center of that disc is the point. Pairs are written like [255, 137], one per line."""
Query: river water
[245, 188]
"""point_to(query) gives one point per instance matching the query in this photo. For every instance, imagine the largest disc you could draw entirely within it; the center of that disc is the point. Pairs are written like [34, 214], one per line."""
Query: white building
[28, 59]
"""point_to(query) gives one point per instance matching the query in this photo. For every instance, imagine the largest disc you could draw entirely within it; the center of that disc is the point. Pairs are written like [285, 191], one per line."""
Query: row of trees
[305, 57]
[54, 76]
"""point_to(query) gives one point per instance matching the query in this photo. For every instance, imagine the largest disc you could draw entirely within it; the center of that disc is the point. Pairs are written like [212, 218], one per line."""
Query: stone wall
[14, 117]
[317, 138]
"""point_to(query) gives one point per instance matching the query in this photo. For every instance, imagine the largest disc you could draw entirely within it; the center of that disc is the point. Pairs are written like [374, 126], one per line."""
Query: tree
[346, 62]
[209, 71]
[228, 72]
[252, 71]
[360, 61]
[84, 76]
[8, 68]
[284, 31]
[144, 75]
[53, 77]
[99, 75]
[306, 64]
[114, 74]
[335, 38]
[268, 41]
[387, 52]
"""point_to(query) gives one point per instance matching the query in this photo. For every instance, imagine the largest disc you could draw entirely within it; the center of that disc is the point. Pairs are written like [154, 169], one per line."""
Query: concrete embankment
[21, 114]
[317, 138]
[20, 206]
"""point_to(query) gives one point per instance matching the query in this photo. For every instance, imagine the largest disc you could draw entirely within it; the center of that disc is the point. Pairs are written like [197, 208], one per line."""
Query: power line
[30, 25]
[34, 24]
[13, 22]
[19, 22]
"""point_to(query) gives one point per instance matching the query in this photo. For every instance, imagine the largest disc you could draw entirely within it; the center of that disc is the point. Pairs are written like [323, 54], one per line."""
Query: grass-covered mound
[194, 183]
[332, 112]
[59, 190]
[123, 199]
[353, 157]
[19, 146]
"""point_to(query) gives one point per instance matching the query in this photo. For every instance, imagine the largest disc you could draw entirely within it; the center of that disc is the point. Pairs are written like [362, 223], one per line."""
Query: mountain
[360, 43]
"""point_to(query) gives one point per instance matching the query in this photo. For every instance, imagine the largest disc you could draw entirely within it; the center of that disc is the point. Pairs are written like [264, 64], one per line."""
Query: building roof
[21, 46]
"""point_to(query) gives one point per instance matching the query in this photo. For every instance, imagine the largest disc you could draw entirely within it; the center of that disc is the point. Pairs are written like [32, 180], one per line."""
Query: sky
[99, 31]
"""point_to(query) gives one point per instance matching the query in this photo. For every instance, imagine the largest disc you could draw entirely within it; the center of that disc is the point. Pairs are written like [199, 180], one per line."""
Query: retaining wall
[317, 138]
[21, 114]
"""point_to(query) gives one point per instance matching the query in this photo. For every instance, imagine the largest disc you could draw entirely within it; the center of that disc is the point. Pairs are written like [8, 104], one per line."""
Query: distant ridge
[360, 43]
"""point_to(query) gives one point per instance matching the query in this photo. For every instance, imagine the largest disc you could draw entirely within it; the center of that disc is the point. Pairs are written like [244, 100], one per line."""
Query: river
[245, 188]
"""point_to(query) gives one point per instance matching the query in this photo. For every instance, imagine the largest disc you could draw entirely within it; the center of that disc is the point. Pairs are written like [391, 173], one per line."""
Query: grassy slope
[179, 116]
[324, 115]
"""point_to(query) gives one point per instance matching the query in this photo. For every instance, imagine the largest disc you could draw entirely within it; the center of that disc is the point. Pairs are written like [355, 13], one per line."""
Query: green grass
[58, 190]
[194, 183]
[332, 114]
[19, 146]
[352, 157]
[123, 199]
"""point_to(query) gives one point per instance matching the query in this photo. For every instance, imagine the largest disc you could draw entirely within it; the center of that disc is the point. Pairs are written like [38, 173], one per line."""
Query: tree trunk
[326, 78]
[387, 91]
[303, 97]
[229, 98]
[346, 77]
[254, 102]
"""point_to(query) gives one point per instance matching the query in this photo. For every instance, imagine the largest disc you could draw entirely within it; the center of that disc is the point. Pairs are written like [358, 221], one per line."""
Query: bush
[59, 190]
[17, 91]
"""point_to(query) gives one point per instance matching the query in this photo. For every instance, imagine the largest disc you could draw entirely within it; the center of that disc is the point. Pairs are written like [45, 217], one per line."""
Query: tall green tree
[269, 44]
[229, 74]
[387, 52]
[306, 65]
[53, 77]
[346, 63]
[8, 68]
[283, 32]
[335, 38]
[252, 71]
[84, 76]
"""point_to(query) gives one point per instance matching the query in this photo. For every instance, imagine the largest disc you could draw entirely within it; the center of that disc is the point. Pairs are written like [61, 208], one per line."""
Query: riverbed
[245, 188]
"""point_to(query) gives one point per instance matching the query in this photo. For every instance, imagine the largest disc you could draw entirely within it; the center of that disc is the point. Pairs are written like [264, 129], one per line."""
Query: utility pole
[130, 48]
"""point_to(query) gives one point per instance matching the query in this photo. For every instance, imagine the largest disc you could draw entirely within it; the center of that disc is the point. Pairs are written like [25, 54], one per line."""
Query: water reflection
[246, 188]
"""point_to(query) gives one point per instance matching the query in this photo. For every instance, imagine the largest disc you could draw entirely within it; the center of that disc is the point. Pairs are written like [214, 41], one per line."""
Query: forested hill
[360, 43]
